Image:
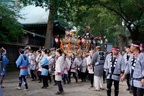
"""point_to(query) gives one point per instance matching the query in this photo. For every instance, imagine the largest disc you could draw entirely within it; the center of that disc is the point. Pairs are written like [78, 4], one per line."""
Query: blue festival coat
[44, 62]
[22, 63]
[5, 64]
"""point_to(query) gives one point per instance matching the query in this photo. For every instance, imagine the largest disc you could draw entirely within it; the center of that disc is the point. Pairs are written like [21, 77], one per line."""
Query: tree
[54, 6]
[131, 11]
[102, 23]
[10, 29]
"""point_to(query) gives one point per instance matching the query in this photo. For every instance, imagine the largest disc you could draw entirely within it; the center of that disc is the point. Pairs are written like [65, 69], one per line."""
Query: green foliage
[131, 11]
[103, 16]
[10, 29]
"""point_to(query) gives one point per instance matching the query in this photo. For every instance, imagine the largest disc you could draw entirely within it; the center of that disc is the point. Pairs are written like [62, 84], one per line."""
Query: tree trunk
[50, 25]
[121, 36]
[134, 34]
[103, 44]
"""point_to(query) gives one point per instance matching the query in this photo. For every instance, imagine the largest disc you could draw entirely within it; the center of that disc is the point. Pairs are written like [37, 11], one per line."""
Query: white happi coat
[90, 67]
[59, 68]
[39, 66]
[119, 67]
[67, 64]
[51, 63]
[32, 61]
[138, 73]
[75, 63]
[83, 65]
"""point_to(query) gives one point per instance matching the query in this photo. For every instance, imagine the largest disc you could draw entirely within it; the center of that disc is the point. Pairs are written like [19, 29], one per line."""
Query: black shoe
[47, 86]
[42, 87]
[128, 89]
[59, 93]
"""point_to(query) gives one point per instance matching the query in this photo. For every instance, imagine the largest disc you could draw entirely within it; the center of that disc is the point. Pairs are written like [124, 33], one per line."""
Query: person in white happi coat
[74, 63]
[32, 61]
[83, 67]
[114, 67]
[66, 68]
[59, 69]
[126, 59]
[90, 67]
[136, 69]
[39, 68]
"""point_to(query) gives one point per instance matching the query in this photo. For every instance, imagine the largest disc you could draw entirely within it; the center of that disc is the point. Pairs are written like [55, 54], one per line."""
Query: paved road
[73, 89]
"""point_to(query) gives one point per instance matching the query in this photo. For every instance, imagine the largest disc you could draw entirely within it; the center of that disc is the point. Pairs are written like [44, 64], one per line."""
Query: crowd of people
[96, 65]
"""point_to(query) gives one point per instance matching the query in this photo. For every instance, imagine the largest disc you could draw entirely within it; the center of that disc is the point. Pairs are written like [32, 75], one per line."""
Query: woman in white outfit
[59, 69]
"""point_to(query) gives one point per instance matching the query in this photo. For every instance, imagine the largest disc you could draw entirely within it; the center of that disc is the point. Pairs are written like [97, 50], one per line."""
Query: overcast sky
[33, 14]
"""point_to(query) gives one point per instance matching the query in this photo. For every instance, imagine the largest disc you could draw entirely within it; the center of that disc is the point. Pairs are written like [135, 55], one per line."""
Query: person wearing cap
[22, 63]
[98, 60]
[2, 63]
[90, 67]
[135, 68]
[126, 59]
[59, 69]
[5, 62]
[114, 67]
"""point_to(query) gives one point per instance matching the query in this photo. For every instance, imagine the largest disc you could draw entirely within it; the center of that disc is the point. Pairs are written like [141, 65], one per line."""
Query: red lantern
[99, 38]
[82, 40]
[56, 40]
[75, 36]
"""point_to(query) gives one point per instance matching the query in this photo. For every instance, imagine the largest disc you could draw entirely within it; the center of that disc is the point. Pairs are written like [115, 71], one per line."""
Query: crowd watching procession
[55, 66]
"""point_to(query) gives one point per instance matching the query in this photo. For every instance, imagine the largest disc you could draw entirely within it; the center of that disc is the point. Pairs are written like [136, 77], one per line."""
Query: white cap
[97, 47]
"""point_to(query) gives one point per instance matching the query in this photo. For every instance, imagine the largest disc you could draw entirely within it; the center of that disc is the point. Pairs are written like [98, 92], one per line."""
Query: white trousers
[98, 82]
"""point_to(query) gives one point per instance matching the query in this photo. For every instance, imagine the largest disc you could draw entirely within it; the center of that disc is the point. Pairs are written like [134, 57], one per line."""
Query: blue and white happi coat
[118, 65]
[136, 69]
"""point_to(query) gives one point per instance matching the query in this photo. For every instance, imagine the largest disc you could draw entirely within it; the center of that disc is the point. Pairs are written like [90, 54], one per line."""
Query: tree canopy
[10, 28]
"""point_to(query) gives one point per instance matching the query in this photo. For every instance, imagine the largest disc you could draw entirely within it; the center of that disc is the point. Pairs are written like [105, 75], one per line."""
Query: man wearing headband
[126, 59]
[114, 67]
[98, 60]
[136, 69]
